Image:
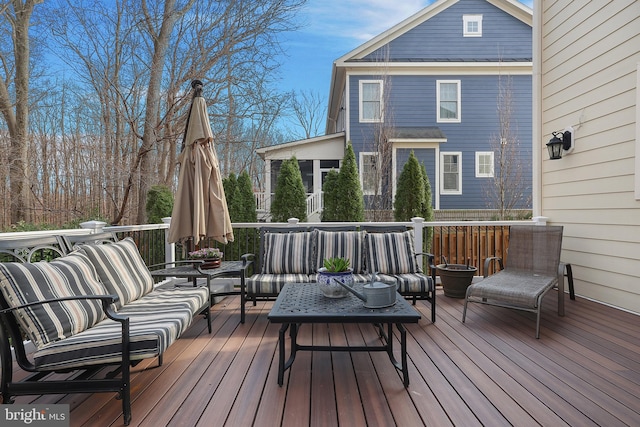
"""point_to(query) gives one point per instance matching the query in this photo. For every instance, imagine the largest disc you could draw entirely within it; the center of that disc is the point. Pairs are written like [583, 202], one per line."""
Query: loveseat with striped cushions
[294, 255]
[94, 307]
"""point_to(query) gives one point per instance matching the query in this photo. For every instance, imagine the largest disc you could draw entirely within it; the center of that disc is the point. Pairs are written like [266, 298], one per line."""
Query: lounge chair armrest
[488, 260]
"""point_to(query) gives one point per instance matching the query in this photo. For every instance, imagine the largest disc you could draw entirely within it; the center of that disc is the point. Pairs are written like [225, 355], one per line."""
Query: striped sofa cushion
[271, 284]
[156, 321]
[289, 253]
[410, 283]
[391, 253]
[342, 244]
[64, 277]
[121, 269]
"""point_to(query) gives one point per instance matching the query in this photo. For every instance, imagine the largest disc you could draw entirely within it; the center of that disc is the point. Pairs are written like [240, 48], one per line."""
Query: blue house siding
[412, 103]
[441, 37]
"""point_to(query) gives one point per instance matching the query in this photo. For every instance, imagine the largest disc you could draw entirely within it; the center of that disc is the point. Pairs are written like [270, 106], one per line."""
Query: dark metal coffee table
[300, 303]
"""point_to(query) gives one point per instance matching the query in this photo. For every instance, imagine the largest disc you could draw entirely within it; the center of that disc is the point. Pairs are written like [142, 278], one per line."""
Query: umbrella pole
[197, 91]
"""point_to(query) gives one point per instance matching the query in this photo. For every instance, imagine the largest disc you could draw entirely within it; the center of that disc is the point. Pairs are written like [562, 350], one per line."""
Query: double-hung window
[370, 101]
[448, 99]
[484, 164]
[450, 173]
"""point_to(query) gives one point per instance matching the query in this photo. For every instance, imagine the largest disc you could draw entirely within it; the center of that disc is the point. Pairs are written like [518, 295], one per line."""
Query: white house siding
[587, 55]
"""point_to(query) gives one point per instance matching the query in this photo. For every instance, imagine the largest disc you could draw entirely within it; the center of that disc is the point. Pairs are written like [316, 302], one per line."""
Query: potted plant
[335, 269]
[208, 257]
[455, 278]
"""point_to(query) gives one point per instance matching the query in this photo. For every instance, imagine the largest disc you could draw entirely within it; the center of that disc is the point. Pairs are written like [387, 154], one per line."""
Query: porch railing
[314, 203]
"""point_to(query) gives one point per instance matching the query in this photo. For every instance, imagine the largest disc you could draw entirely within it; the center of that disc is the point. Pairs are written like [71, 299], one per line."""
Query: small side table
[226, 269]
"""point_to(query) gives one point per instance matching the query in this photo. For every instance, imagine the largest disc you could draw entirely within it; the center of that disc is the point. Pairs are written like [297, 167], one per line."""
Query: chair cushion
[121, 269]
[391, 253]
[289, 253]
[340, 244]
[517, 288]
[410, 283]
[155, 322]
[64, 277]
[271, 284]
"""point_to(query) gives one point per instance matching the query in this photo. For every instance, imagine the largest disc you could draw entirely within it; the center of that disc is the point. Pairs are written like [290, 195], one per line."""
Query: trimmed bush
[330, 195]
[290, 199]
[409, 201]
[350, 202]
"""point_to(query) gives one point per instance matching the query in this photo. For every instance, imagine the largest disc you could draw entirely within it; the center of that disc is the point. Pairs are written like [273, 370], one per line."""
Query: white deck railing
[455, 240]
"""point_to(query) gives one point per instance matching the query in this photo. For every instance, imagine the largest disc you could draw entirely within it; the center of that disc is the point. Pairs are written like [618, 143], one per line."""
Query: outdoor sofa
[93, 308]
[294, 255]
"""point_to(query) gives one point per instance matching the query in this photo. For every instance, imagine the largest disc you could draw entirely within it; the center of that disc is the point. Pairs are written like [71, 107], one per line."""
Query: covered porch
[584, 370]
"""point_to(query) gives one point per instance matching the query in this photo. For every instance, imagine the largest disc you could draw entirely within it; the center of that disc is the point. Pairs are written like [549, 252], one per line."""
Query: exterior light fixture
[561, 142]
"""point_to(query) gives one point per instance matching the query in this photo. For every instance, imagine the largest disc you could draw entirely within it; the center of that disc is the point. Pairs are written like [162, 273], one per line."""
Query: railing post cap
[166, 220]
[540, 220]
[94, 225]
[417, 219]
[293, 221]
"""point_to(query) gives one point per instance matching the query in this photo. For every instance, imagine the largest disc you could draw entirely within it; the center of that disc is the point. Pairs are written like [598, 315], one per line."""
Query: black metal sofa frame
[108, 377]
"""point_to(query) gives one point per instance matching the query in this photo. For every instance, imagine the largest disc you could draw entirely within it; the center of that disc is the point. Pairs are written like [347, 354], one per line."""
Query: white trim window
[370, 94]
[451, 172]
[472, 26]
[369, 174]
[448, 100]
[484, 164]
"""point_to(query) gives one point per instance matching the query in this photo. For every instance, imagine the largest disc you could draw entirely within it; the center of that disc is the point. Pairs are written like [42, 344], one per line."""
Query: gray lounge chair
[531, 270]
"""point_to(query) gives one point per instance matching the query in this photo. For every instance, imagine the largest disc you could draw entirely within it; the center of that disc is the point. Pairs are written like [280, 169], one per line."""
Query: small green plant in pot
[336, 265]
[335, 269]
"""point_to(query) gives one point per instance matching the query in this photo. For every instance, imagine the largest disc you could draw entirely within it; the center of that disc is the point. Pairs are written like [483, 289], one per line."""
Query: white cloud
[359, 20]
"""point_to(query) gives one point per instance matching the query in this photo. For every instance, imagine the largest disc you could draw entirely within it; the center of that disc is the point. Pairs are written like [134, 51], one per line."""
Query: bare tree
[132, 62]
[506, 190]
[380, 206]
[15, 67]
[308, 111]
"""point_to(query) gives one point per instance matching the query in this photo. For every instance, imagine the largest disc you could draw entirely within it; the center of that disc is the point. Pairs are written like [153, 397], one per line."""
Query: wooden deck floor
[584, 370]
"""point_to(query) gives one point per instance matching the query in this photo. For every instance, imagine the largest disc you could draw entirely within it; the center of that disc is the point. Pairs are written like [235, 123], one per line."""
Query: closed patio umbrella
[200, 207]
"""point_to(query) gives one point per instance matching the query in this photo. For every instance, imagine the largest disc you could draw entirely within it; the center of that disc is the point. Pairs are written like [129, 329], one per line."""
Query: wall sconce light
[561, 141]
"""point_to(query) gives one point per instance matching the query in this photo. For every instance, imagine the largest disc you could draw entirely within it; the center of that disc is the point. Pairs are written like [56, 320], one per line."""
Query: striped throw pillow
[391, 253]
[288, 253]
[121, 269]
[64, 277]
[341, 244]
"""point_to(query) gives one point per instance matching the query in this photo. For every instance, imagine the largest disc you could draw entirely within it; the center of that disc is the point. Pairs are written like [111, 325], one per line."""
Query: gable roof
[320, 147]
[512, 7]
[338, 73]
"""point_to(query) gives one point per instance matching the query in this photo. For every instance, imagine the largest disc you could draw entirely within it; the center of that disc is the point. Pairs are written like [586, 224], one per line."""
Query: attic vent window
[472, 25]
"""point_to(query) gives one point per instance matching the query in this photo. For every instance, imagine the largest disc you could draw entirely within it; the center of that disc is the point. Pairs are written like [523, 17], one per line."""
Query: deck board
[584, 370]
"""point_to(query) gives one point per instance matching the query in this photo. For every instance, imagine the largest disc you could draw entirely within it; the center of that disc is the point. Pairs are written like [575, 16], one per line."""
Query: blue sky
[332, 28]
